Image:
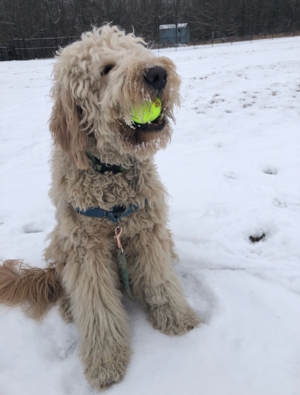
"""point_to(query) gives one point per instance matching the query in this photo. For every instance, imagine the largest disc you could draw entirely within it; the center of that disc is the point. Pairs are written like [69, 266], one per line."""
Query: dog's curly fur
[98, 80]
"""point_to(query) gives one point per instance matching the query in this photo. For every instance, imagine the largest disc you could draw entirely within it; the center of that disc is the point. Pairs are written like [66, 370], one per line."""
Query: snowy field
[233, 172]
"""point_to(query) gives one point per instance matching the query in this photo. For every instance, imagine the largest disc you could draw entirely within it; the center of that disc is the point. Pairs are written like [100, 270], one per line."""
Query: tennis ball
[147, 112]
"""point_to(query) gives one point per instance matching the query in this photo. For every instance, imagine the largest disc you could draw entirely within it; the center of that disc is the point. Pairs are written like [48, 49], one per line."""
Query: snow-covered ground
[232, 171]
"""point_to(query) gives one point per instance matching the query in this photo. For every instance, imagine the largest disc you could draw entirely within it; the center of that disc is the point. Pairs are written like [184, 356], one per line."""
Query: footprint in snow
[219, 144]
[279, 203]
[199, 294]
[229, 175]
[32, 228]
[3, 218]
[270, 170]
[257, 237]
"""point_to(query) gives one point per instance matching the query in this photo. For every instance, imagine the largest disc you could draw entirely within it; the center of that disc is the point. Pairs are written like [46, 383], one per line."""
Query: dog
[110, 203]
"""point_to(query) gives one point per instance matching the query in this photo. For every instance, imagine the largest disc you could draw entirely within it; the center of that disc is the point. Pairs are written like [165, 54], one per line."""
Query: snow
[232, 172]
[172, 26]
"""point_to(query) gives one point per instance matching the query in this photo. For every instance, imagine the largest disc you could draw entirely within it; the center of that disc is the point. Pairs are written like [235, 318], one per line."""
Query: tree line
[218, 18]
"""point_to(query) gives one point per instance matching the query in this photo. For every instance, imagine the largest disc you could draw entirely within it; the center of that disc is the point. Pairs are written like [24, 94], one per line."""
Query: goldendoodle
[111, 233]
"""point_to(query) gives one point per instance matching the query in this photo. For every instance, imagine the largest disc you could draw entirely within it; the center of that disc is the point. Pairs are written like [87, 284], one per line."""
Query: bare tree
[223, 18]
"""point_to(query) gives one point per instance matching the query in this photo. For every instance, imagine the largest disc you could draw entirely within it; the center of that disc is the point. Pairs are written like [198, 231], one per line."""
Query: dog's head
[99, 80]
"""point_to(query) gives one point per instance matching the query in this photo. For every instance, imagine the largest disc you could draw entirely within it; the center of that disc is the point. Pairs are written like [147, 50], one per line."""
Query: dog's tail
[34, 289]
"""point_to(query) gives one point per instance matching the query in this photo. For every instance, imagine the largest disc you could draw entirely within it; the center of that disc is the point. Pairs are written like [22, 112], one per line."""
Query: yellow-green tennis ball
[147, 112]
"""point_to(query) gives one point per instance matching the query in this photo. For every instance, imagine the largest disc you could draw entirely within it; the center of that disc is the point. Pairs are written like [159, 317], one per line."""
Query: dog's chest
[119, 188]
[89, 188]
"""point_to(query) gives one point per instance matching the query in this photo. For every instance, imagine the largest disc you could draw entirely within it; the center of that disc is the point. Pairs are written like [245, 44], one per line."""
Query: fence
[45, 47]
[4, 54]
[34, 48]
[230, 39]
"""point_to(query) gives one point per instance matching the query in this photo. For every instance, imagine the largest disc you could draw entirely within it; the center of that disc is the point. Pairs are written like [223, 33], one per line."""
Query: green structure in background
[174, 34]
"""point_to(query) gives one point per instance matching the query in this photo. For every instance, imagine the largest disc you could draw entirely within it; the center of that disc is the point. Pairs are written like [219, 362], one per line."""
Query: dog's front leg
[99, 316]
[154, 280]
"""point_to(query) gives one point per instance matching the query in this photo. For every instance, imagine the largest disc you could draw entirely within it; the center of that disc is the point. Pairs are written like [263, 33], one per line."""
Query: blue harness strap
[114, 215]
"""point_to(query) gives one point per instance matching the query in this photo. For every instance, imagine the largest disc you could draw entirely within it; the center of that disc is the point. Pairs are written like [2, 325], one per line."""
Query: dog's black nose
[157, 77]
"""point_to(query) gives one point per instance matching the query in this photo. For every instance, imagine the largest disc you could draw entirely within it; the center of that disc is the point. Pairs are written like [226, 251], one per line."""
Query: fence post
[14, 49]
[25, 49]
[19, 48]
[44, 48]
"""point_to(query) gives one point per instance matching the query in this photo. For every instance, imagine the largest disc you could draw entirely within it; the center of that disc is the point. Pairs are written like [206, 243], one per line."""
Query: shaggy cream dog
[103, 161]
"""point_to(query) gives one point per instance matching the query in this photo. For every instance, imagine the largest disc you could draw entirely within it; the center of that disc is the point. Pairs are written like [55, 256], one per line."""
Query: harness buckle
[118, 232]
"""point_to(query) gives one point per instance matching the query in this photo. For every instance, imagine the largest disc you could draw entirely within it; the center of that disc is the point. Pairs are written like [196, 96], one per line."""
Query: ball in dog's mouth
[154, 126]
[146, 112]
[143, 117]
[134, 134]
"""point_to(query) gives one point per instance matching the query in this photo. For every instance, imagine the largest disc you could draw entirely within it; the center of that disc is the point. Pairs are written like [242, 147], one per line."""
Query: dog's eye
[107, 69]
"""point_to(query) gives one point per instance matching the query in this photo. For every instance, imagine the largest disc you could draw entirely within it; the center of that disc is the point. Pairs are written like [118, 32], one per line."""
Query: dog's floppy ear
[66, 129]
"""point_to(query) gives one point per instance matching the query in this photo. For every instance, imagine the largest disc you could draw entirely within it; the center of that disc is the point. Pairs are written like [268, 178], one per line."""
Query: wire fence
[229, 40]
[34, 48]
[45, 47]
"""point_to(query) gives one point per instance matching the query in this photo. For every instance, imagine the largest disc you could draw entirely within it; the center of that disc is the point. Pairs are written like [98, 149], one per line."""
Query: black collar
[102, 167]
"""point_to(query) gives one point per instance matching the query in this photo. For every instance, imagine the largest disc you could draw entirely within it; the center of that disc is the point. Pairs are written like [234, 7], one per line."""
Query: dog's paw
[173, 322]
[108, 369]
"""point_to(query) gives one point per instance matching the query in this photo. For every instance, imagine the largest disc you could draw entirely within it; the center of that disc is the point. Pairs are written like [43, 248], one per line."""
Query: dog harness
[114, 215]
[117, 212]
